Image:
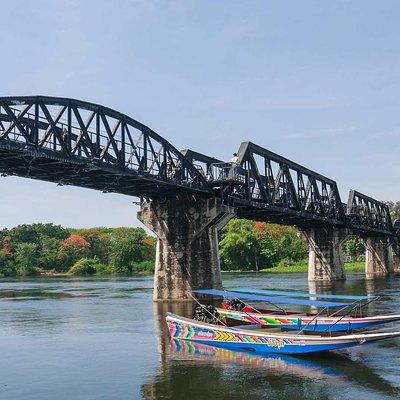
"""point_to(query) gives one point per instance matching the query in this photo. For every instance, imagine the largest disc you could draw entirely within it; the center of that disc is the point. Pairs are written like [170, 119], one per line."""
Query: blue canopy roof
[270, 299]
[302, 294]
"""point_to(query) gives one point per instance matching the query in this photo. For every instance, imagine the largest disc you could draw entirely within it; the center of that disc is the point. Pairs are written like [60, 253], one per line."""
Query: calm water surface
[105, 339]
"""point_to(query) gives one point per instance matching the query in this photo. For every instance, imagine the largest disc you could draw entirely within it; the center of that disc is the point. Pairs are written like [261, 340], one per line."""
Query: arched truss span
[74, 142]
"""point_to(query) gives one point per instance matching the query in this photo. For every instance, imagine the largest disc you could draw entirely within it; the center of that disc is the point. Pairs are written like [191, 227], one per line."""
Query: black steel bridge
[72, 142]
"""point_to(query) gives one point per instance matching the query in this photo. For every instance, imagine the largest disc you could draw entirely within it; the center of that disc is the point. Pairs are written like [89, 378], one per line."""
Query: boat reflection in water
[208, 372]
[272, 363]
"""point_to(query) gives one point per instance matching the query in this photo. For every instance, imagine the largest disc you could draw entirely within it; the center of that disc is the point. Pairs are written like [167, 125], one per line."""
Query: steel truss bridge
[72, 142]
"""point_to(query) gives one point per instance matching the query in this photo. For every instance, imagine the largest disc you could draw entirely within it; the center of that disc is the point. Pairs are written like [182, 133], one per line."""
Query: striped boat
[263, 341]
[293, 321]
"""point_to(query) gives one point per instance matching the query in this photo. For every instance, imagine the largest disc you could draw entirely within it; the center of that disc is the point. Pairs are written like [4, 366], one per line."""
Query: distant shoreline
[357, 266]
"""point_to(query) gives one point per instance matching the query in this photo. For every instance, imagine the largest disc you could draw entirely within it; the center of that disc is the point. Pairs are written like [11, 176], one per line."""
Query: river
[105, 339]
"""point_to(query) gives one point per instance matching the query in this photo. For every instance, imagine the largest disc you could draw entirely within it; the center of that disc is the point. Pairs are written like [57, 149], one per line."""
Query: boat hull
[262, 343]
[304, 322]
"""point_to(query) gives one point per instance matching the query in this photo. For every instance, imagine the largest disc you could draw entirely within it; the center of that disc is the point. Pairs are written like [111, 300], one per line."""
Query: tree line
[48, 249]
[250, 245]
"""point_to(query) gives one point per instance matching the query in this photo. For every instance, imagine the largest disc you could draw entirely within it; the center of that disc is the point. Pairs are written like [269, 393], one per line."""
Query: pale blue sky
[315, 81]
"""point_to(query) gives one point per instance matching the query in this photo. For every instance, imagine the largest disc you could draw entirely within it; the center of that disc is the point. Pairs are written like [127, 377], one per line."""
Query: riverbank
[357, 266]
[301, 267]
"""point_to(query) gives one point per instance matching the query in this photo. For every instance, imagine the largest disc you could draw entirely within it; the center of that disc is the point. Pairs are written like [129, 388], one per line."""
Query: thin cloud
[391, 133]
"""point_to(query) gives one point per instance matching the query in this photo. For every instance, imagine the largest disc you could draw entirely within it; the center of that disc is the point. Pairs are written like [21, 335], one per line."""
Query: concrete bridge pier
[378, 257]
[187, 246]
[325, 259]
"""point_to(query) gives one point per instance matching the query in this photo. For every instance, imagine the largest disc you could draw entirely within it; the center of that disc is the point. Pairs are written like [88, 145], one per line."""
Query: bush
[286, 263]
[143, 267]
[84, 266]
[287, 266]
[104, 269]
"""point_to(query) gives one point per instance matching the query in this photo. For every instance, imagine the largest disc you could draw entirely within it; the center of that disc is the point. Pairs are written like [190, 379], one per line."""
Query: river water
[105, 339]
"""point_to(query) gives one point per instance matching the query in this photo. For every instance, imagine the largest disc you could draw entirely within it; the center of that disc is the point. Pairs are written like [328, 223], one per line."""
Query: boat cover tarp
[270, 299]
[301, 294]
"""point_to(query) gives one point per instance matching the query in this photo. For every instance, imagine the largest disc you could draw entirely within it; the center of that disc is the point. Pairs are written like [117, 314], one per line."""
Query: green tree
[50, 230]
[143, 267]
[47, 238]
[26, 257]
[48, 255]
[252, 245]
[239, 248]
[126, 249]
[7, 267]
[99, 243]
[24, 234]
[354, 247]
[279, 242]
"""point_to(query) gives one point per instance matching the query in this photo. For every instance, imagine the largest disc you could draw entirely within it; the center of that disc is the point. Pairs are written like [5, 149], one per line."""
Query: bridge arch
[74, 142]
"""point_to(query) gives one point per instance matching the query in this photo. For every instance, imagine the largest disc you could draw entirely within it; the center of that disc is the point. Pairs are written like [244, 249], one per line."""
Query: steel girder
[74, 142]
[265, 185]
[366, 215]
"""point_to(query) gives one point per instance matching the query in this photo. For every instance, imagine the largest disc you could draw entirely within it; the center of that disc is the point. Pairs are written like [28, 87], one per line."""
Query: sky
[315, 81]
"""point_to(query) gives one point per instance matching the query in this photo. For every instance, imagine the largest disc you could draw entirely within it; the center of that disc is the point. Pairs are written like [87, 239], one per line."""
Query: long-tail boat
[346, 317]
[263, 341]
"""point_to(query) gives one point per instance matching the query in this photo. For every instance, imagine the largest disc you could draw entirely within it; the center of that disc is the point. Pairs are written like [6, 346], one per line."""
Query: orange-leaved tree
[71, 250]
[8, 250]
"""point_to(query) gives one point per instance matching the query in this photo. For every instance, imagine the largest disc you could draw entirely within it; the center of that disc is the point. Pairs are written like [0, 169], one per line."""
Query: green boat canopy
[271, 299]
[272, 292]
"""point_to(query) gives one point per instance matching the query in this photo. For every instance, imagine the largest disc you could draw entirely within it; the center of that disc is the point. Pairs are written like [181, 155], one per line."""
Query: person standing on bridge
[235, 164]
[64, 134]
[235, 159]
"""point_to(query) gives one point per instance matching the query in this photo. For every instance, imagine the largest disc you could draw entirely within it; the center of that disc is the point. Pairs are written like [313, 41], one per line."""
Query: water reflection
[215, 373]
[272, 364]
[357, 286]
[333, 366]
[88, 331]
